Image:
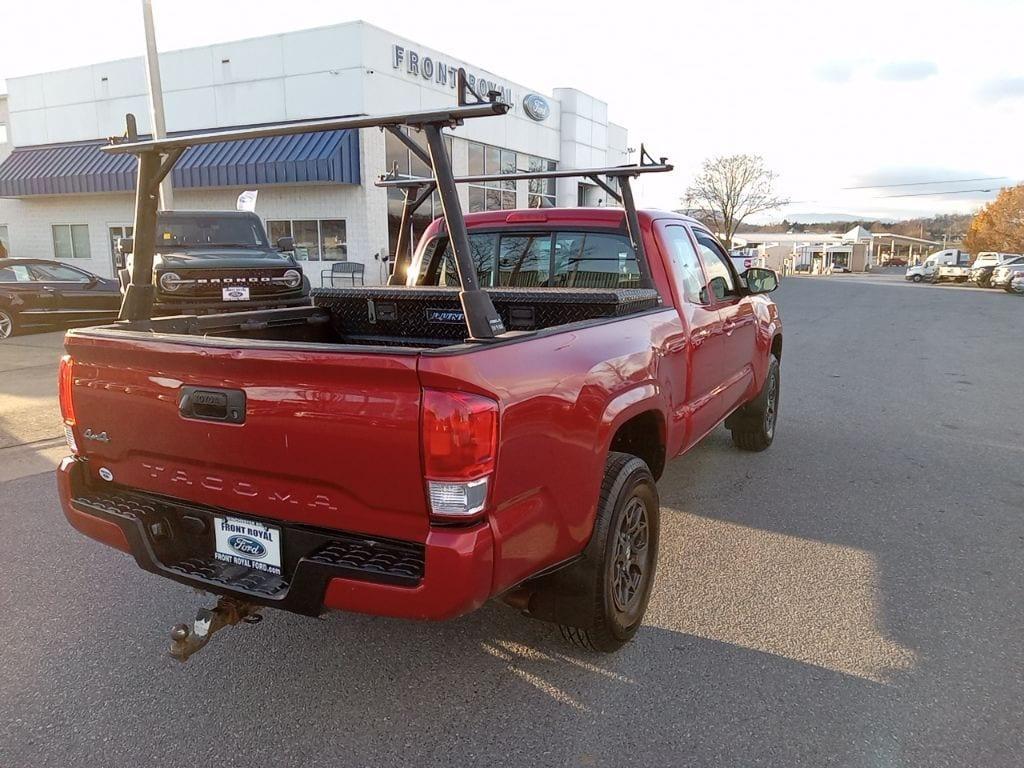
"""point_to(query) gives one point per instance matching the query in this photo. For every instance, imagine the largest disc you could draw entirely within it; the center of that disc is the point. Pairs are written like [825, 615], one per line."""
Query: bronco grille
[199, 283]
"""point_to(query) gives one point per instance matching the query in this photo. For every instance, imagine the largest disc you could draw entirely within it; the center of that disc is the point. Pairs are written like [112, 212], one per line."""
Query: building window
[71, 241]
[541, 192]
[401, 160]
[3, 133]
[5, 241]
[491, 195]
[315, 239]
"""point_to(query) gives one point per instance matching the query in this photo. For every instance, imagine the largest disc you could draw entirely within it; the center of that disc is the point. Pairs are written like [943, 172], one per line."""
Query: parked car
[926, 270]
[983, 274]
[360, 455]
[219, 261]
[896, 262]
[1017, 284]
[745, 261]
[1002, 274]
[40, 293]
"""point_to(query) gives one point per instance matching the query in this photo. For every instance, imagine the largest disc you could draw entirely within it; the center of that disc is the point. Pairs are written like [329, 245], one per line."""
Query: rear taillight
[65, 383]
[460, 443]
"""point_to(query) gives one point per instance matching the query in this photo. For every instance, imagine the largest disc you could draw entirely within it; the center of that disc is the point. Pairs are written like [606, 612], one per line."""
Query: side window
[58, 273]
[716, 265]
[686, 269]
[17, 273]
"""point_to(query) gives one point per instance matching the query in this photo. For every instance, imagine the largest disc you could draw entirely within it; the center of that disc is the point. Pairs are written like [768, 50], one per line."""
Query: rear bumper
[448, 575]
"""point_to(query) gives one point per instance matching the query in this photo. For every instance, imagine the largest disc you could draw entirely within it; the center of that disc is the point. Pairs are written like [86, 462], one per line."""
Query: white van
[947, 258]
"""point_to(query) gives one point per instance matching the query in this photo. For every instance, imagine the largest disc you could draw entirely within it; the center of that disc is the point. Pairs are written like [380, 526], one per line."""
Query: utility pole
[156, 98]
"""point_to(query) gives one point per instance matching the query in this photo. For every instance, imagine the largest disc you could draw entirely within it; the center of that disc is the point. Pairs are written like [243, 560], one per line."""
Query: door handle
[698, 336]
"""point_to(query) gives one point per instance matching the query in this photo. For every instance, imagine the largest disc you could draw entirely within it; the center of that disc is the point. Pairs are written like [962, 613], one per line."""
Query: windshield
[203, 231]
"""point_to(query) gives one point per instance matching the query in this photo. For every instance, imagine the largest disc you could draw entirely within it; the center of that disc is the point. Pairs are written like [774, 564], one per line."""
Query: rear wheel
[753, 426]
[8, 326]
[603, 596]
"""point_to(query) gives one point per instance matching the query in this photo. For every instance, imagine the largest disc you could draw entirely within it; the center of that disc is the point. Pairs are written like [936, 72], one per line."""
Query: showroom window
[541, 192]
[71, 241]
[399, 158]
[491, 195]
[315, 239]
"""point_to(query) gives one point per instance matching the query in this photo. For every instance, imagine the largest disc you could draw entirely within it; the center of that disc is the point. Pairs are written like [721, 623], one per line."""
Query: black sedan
[43, 293]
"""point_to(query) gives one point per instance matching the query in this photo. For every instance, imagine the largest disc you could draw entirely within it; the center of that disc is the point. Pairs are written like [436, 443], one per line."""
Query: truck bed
[413, 317]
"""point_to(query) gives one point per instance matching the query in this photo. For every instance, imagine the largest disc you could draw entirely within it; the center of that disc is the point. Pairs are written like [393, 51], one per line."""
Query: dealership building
[61, 197]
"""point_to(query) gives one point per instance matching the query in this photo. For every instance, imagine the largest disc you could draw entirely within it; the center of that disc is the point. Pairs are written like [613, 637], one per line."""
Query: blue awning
[70, 169]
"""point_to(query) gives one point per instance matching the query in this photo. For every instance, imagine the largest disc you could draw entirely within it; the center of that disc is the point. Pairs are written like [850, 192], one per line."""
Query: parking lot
[853, 596]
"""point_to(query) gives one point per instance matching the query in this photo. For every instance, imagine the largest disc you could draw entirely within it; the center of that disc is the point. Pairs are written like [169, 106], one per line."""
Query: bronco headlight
[292, 278]
[170, 282]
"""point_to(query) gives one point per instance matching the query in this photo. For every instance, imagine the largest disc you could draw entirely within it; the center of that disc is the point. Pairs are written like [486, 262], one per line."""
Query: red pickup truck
[401, 473]
[361, 454]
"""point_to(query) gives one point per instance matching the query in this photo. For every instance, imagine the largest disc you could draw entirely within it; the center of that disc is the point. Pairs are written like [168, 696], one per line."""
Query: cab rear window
[544, 259]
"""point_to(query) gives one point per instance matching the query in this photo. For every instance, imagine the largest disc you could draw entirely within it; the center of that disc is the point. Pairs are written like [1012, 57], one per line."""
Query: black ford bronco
[219, 261]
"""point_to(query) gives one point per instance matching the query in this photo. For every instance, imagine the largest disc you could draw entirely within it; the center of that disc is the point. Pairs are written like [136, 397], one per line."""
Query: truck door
[694, 358]
[739, 323]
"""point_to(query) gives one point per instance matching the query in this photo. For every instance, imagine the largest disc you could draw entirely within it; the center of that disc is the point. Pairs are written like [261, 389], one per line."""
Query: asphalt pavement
[852, 596]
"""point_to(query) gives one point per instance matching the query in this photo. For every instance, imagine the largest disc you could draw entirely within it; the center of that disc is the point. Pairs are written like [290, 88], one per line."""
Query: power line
[928, 194]
[925, 183]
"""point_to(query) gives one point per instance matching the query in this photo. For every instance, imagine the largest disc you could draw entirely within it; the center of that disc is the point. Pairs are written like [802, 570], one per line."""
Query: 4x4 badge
[100, 437]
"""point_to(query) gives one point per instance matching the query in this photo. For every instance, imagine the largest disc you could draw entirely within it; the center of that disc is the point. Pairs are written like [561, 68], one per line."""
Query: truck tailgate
[328, 439]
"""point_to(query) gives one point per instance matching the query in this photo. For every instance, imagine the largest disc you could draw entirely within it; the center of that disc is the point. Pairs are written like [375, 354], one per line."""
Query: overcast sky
[833, 95]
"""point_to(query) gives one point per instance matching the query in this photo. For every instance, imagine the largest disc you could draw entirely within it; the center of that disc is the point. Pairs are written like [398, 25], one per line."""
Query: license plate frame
[235, 293]
[248, 543]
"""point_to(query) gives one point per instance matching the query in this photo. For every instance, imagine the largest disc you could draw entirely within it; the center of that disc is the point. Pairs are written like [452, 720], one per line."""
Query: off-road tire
[753, 426]
[610, 607]
[8, 324]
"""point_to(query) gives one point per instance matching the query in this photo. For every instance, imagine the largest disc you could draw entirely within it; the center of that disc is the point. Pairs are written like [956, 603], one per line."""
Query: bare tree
[729, 189]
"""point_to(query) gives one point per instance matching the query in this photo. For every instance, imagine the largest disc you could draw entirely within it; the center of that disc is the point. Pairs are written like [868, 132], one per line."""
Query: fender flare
[641, 398]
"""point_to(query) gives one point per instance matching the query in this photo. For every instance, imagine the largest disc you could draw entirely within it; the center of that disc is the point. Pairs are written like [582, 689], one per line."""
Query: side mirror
[719, 287]
[286, 243]
[761, 280]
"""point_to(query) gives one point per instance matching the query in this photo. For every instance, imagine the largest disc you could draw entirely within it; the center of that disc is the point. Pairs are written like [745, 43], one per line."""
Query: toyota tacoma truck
[490, 424]
[219, 261]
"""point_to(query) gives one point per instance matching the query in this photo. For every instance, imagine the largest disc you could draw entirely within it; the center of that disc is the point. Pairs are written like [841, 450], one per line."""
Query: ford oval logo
[247, 547]
[536, 106]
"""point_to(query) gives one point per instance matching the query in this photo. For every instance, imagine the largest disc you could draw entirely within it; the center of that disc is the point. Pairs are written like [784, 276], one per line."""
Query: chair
[346, 270]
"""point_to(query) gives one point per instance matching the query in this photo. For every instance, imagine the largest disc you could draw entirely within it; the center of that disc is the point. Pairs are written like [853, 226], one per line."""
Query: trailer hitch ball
[186, 640]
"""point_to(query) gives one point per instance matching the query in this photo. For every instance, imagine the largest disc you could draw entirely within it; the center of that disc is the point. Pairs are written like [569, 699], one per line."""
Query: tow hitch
[187, 640]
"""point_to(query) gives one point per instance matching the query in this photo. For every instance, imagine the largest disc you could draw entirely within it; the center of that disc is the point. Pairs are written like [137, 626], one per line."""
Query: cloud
[1001, 88]
[906, 71]
[835, 71]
